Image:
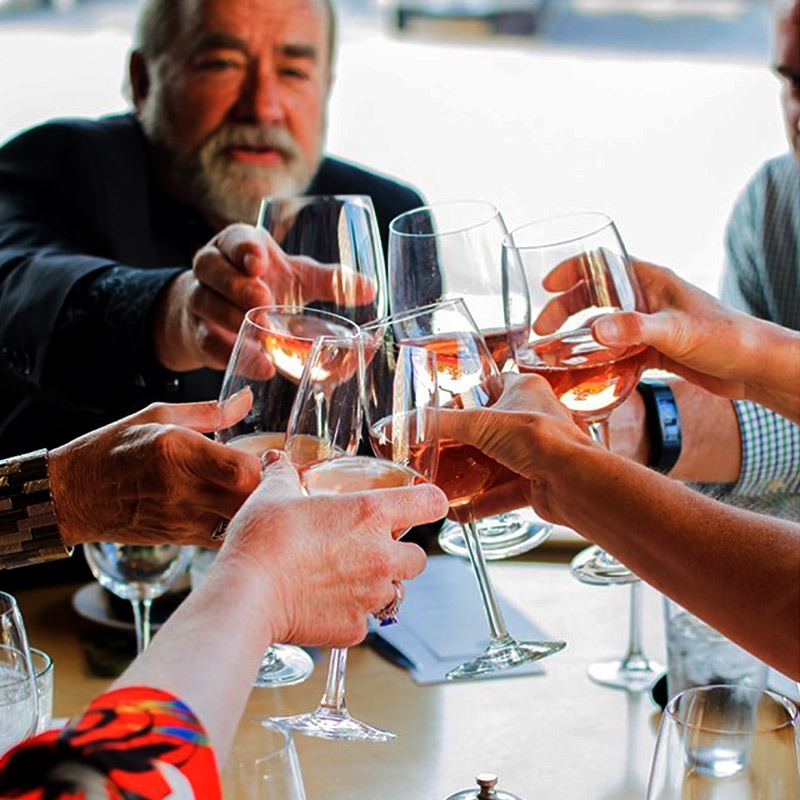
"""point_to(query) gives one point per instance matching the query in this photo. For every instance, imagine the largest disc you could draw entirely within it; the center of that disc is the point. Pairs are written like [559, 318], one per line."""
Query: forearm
[705, 555]
[711, 443]
[771, 366]
[118, 302]
[711, 450]
[208, 651]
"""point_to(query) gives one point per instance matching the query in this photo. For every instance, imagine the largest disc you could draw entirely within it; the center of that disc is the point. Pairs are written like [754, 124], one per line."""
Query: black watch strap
[663, 424]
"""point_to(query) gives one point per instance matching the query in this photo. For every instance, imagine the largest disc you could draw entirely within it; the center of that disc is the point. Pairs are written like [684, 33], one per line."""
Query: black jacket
[87, 241]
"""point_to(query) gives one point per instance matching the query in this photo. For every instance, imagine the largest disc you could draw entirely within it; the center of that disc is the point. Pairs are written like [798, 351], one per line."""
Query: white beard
[230, 191]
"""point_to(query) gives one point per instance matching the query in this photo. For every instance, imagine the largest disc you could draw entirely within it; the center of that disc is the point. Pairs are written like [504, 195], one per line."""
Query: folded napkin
[442, 624]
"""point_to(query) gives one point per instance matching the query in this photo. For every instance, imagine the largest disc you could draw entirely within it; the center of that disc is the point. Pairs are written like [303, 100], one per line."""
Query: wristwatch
[663, 424]
[28, 528]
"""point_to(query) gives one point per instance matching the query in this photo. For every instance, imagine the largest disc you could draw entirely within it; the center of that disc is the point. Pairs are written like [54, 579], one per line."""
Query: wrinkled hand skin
[323, 564]
[153, 477]
[200, 312]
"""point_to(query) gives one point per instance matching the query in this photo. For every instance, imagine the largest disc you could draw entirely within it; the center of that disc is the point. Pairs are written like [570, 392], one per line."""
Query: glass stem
[635, 654]
[494, 616]
[598, 430]
[333, 697]
[141, 621]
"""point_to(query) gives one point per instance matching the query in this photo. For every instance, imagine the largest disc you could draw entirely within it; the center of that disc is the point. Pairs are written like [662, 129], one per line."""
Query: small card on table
[442, 624]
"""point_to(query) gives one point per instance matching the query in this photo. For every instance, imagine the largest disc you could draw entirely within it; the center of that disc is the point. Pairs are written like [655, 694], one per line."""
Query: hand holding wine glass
[268, 358]
[323, 435]
[578, 270]
[468, 379]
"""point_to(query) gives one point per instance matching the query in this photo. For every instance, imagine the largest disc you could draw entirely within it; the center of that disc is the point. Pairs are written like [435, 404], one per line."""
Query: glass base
[505, 654]
[327, 723]
[598, 568]
[633, 674]
[283, 665]
[503, 536]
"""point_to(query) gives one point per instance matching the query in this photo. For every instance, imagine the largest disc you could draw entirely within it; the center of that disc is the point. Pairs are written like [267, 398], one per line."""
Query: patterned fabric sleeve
[770, 451]
[127, 737]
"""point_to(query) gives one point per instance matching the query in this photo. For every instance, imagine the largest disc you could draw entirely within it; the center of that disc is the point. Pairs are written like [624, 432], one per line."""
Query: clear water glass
[726, 743]
[19, 707]
[263, 763]
[43, 668]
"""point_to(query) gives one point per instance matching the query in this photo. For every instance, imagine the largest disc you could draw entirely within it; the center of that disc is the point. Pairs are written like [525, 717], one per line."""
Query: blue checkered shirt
[762, 277]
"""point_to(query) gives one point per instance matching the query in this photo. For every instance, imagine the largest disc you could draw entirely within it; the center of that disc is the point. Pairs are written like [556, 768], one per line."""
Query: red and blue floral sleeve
[127, 736]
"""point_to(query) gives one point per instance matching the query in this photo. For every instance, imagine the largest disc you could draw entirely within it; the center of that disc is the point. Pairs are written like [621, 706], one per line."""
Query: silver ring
[388, 614]
[219, 531]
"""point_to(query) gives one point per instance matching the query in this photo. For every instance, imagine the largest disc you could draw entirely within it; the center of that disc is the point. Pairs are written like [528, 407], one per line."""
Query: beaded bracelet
[28, 527]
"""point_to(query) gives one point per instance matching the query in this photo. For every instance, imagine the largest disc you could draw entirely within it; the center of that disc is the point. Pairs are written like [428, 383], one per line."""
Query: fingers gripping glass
[331, 254]
[577, 269]
[454, 250]
[268, 358]
[323, 436]
[468, 378]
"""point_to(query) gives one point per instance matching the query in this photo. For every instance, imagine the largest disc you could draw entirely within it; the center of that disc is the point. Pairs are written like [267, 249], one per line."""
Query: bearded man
[120, 283]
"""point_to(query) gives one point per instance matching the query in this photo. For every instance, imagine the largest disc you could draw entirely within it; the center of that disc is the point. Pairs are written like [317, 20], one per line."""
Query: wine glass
[453, 250]
[263, 763]
[399, 393]
[323, 435]
[19, 708]
[468, 378]
[577, 269]
[334, 251]
[139, 573]
[267, 361]
[729, 741]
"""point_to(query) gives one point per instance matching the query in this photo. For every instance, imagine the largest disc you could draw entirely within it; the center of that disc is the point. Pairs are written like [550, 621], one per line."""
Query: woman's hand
[527, 431]
[693, 335]
[325, 563]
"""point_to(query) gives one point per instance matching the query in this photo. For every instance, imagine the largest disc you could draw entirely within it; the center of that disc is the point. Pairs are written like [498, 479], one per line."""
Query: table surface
[556, 735]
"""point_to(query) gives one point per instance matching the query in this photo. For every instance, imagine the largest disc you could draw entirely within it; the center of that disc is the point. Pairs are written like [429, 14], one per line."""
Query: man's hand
[153, 478]
[200, 312]
[326, 562]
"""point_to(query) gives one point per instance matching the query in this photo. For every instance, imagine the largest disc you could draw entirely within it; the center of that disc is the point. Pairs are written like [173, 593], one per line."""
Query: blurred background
[656, 111]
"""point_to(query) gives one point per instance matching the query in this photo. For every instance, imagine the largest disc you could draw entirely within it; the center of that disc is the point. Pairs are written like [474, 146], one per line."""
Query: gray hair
[159, 23]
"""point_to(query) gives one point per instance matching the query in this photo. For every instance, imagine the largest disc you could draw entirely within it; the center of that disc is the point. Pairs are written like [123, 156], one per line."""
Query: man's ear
[138, 78]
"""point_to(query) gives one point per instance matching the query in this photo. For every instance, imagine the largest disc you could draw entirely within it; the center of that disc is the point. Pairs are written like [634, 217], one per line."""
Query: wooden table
[555, 736]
